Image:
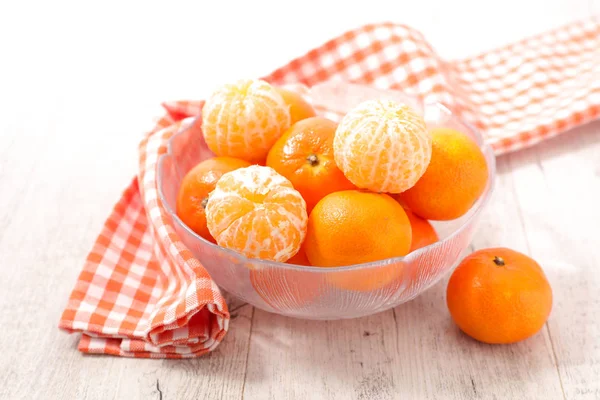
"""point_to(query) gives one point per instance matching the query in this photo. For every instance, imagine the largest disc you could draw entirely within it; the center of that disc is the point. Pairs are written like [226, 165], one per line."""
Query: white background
[113, 60]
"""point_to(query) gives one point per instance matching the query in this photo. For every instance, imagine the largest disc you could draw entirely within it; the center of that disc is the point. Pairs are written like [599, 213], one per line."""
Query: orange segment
[304, 155]
[382, 146]
[195, 187]
[244, 119]
[258, 213]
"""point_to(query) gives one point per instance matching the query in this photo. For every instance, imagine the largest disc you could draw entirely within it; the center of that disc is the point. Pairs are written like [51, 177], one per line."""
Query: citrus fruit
[298, 107]
[387, 278]
[382, 146]
[455, 178]
[355, 226]
[423, 234]
[244, 119]
[195, 187]
[499, 295]
[299, 259]
[258, 213]
[304, 155]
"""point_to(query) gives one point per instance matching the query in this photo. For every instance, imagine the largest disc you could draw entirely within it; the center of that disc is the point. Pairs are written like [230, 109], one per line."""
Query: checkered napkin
[141, 292]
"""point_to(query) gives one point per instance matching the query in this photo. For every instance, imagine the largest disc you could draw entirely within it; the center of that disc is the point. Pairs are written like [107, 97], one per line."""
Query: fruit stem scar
[204, 202]
[499, 261]
[313, 160]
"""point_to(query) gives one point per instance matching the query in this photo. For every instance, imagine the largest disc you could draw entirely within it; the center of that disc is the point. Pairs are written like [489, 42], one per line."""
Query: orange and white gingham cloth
[141, 292]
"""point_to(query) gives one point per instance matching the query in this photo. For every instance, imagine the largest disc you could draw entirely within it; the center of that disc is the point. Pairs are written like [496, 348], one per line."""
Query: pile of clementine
[289, 186]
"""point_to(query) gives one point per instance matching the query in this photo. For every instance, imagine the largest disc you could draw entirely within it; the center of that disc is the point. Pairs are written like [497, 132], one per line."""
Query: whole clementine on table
[499, 295]
[298, 107]
[304, 155]
[258, 213]
[455, 178]
[423, 234]
[353, 227]
[195, 187]
[244, 119]
[382, 146]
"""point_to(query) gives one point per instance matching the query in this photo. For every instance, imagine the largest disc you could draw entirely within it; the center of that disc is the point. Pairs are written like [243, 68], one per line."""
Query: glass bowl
[337, 292]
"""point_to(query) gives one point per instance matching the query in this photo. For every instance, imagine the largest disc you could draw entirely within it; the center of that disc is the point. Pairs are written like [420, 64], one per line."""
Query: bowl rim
[258, 263]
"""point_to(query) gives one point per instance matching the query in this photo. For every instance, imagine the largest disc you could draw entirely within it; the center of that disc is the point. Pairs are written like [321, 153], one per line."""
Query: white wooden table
[76, 91]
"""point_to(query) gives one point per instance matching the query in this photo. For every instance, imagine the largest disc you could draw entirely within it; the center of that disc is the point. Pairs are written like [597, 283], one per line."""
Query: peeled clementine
[499, 295]
[299, 108]
[258, 213]
[194, 190]
[455, 178]
[382, 146]
[304, 155]
[243, 119]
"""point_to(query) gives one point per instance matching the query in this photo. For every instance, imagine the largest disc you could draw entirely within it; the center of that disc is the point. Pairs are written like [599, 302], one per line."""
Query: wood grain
[558, 189]
[324, 359]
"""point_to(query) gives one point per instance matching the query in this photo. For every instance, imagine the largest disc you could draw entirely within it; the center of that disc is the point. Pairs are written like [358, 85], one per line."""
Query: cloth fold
[141, 293]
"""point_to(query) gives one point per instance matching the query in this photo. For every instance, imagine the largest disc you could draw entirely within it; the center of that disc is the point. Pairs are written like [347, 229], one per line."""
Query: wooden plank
[300, 359]
[558, 190]
[219, 375]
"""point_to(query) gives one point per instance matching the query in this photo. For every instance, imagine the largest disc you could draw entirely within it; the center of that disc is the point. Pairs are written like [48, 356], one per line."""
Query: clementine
[382, 146]
[353, 227]
[423, 234]
[299, 108]
[387, 278]
[258, 213]
[243, 119]
[356, 226]
[299, 259]
[499, 295]
[304, 155]
[195, 187]
[455, 178]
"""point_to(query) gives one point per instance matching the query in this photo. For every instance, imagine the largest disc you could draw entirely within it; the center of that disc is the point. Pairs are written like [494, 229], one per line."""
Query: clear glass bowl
[326, 293]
